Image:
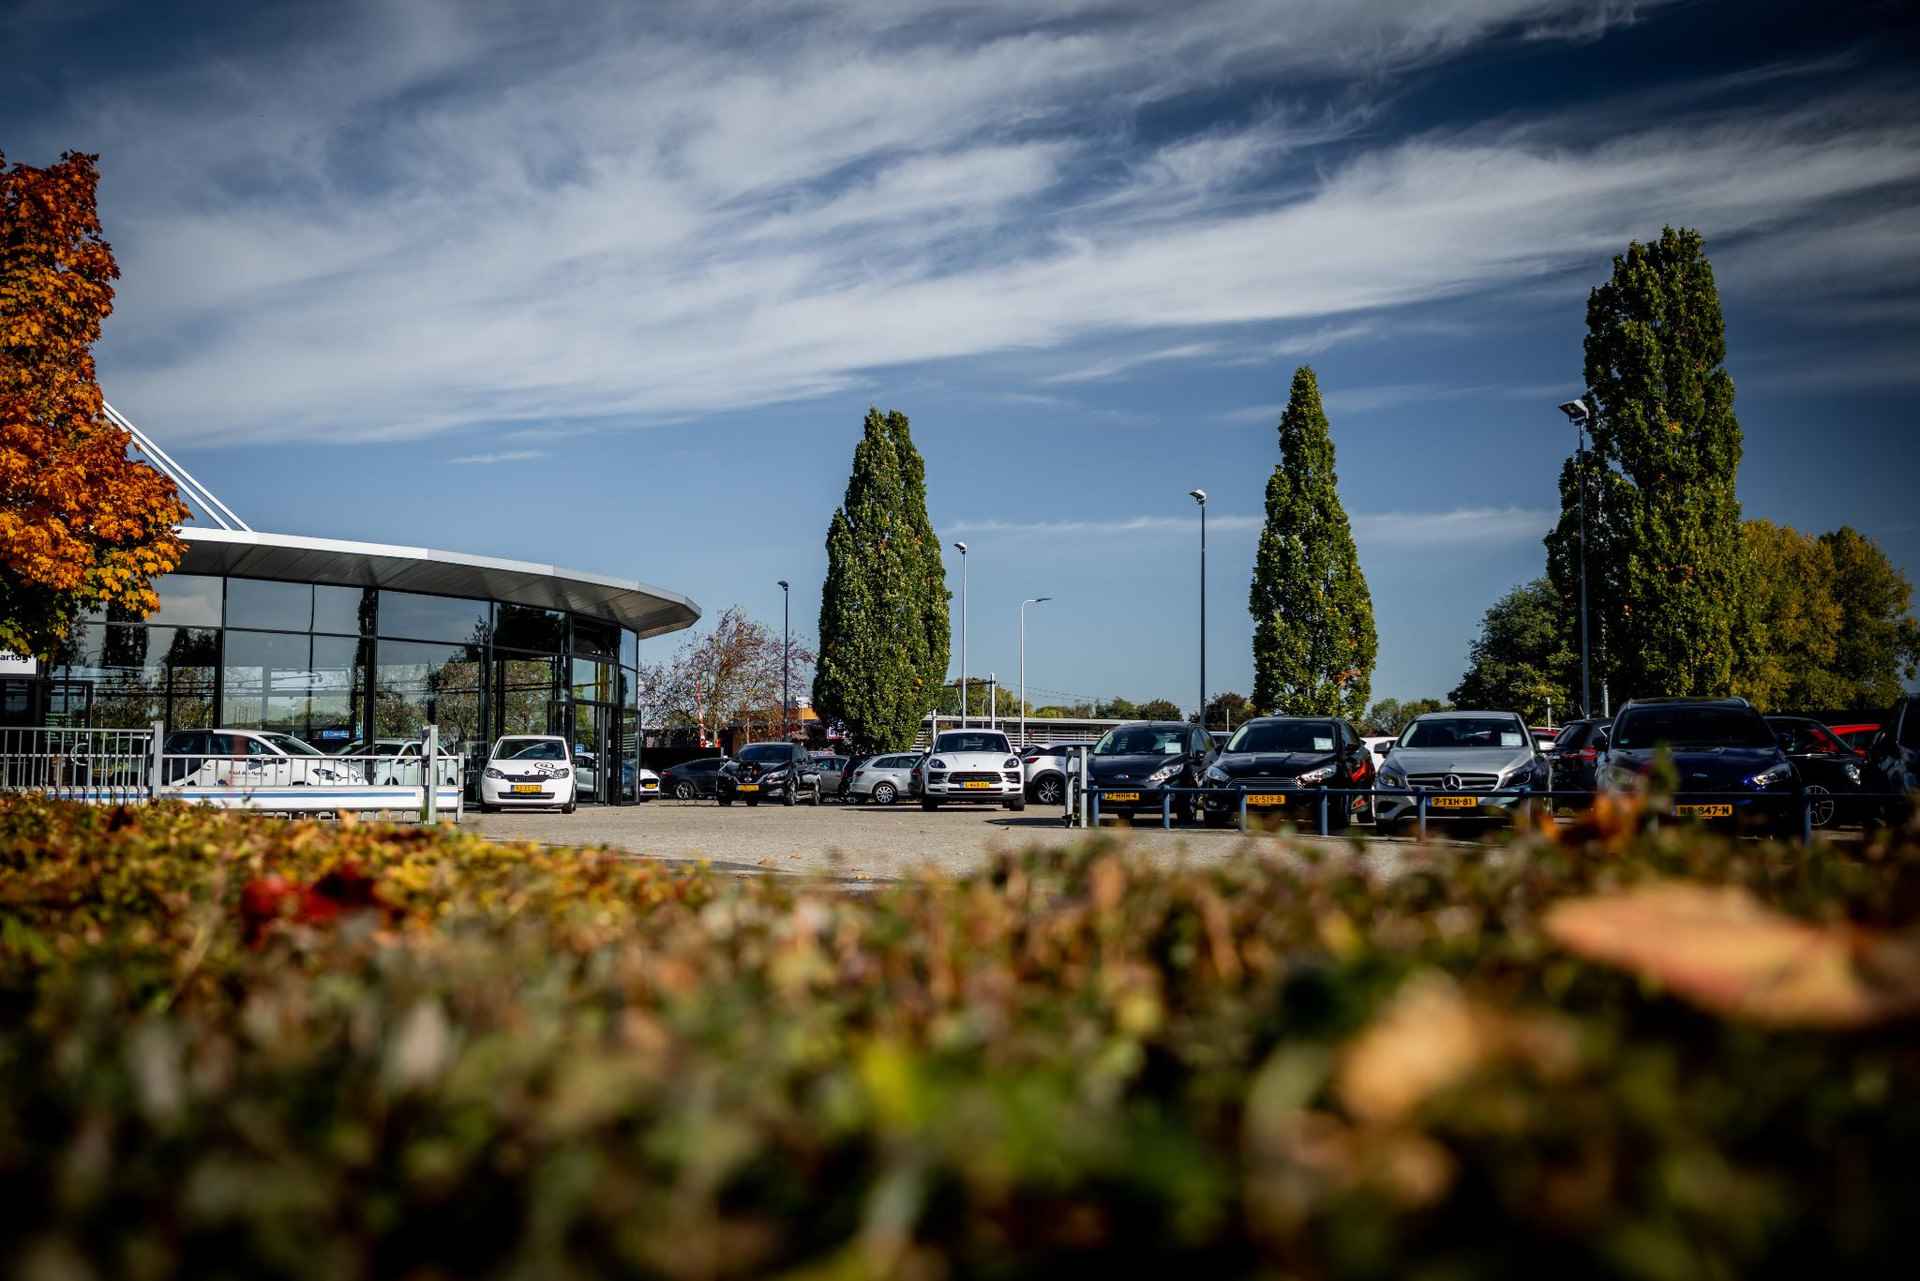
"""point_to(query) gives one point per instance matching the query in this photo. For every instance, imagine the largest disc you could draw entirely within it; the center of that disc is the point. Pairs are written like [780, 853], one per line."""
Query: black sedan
[1827, 766]
[1283, 765]
[691, 780]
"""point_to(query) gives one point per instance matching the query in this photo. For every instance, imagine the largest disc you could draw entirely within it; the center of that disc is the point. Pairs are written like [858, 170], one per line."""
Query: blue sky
[615, 292]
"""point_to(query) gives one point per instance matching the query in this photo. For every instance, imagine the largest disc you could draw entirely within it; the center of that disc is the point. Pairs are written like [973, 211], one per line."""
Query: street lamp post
[786, 661]
[1037, 600]
[1580, 414]
[962, 549]
[1200, 496]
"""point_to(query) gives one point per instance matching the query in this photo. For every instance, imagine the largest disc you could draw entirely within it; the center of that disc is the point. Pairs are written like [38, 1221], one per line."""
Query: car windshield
[766, 753]
[531, 749]
[1282, 736]
[1464, 731]
[972, 741]
[1142, 740]
[292, 746]
[1646, 727]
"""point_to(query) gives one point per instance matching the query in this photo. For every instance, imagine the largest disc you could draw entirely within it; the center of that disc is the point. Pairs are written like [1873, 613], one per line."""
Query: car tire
[1017, 805]
[481, 807]
[569, 806]
[929, 806]
[684, 791]
[1049, 790]
[885, 794]
[1825, 810]
[788, 799]
[723, 800]
[752, 803]
[1219, 818]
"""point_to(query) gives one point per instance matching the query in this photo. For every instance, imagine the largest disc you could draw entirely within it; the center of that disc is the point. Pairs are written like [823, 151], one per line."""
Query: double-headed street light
[962, 549]
[786, 661]
[1580, 414]
[1036, 600]
[1200, 496]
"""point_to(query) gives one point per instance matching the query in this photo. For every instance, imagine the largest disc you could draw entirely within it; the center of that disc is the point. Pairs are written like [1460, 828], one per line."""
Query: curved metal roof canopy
[650, 611]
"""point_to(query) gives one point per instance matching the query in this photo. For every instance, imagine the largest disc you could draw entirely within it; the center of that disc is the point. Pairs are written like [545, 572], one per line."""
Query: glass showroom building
[346, 643]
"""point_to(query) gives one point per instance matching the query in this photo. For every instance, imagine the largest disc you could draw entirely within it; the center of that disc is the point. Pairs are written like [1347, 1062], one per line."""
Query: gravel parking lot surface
[850, 842]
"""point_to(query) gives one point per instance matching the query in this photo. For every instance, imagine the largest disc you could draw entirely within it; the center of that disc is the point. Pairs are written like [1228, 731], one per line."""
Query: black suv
[1282, 765]
[1730, 764]
[783, 772]
[1575, 754]
[691, 779]
[1893, 759]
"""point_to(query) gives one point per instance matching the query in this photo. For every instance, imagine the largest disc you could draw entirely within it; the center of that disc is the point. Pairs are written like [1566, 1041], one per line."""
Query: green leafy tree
[1228, 710]
[1389, 716]
[1159, 709]
[1520, 661]
[1313, 635]
[884, 634]
[1878, 641]
[1117, 709]
[1791, 664]
[1666, 559]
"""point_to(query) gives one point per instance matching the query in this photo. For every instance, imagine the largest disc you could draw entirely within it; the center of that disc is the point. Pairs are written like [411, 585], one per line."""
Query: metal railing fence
[110, 766]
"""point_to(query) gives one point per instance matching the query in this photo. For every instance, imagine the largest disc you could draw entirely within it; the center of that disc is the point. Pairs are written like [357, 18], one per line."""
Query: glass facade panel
[592, 636]
[523, 627]
[186, 600]
[345, 611]
[271, 606]
[417, 685]
[433, 618]
[114, 677]
[313, 687]
[629, 648]
[594, 682]
[529, 699]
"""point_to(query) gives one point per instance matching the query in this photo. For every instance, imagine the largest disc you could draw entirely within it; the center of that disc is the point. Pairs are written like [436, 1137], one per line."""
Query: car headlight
[1214, 774]
[1772, 776]
[1315, 776]
[1164, 773]
[1522, 776]
[491, 772]
[1392, 775]
[936, 763]
[1013, 762]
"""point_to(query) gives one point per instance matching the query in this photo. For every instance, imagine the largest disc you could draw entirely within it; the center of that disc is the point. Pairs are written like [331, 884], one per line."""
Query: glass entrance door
[596, 751]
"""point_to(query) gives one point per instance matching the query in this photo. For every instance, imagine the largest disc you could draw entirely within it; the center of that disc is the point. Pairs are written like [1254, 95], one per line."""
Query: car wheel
[568, 807]
[752, 803]
[818, 799]
[481, 807]
[1048, 790]
[929, 806]
[684, 791]
[723, 800]
[885, 794]
[1219, 818]
[1823, 804]
[1017, 804]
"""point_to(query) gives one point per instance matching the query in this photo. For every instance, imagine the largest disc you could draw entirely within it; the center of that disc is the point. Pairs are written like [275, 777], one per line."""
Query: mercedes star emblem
[1452, 781]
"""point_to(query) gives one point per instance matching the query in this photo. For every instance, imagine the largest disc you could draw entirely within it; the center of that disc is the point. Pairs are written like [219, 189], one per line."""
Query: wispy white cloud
[504, 456]
[1325, 338]
[1114, 366]
[1451, 528]
[425, 222]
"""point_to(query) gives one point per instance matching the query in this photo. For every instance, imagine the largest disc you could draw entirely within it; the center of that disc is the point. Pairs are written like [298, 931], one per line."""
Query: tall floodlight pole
[786, 660]
[1037, 600]
[962, 549]
[1580, 414]
[1200, 496]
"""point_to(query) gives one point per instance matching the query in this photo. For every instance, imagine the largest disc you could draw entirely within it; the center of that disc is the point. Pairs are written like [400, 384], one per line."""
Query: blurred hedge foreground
[233, 1047]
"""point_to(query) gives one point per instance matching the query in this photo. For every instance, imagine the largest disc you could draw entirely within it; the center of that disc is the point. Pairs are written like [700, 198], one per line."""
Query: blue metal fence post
[1166, 810]
[1806, 817]
[1093, 813]
[1421, 801]
[1243, 810]
[1323, 811]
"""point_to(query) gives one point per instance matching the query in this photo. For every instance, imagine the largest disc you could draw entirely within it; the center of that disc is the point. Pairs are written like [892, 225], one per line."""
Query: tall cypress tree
[1313, 636]
[883, 610]
[1666, 563]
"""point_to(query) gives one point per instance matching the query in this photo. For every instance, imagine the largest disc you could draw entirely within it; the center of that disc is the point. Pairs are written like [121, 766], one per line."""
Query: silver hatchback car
[883, 779]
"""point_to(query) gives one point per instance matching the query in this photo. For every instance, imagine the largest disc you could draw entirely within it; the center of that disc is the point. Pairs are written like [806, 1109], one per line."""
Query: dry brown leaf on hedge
[1723, 950]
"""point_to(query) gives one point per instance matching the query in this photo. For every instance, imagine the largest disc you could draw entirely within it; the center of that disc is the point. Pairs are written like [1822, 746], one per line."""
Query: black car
[1828, 768]
[1893, 758]
[1282, 765]
[1135, 763]
[1575, 754]
[1731, 767]
[692, 779]
[783, 772]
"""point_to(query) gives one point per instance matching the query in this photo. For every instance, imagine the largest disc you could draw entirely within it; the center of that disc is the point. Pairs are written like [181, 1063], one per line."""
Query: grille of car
[972, 777]
[1467, 782]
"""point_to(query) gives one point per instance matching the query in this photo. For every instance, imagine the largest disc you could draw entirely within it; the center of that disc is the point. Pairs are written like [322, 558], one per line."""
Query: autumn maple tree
[81, 523]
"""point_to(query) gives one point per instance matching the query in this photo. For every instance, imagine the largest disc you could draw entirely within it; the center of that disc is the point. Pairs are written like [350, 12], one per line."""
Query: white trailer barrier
[131, 766]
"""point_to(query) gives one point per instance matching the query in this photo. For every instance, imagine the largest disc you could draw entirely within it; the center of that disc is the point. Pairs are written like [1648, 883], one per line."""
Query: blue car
[1732, 768]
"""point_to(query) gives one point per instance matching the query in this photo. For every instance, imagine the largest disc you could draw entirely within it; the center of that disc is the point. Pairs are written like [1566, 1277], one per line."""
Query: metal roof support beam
[198, 494]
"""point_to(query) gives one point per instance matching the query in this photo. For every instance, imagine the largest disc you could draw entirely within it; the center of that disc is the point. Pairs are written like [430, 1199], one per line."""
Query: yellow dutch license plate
[526, 789]
[976, 787]
[1454, 802]
[1721, 810]
[649, 787]
[1121, 796]
[1267, 798]
[749, 787]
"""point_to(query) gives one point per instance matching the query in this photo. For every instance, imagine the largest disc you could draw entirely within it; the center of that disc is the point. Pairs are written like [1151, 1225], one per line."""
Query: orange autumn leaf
[81, 523]
[1720, 949]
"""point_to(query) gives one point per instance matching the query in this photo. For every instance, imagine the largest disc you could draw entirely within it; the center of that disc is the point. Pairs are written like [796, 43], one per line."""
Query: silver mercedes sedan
[1456, 758]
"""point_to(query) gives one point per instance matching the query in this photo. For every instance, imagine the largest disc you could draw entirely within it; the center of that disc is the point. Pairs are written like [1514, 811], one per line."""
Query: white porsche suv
[973, 765]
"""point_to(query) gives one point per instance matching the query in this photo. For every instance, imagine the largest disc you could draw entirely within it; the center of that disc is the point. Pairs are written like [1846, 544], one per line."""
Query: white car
[973, 765]
[528, 771]
[649, 785]
[1046, 769]
[250, 760]
[397, 761]
[1377, 745]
